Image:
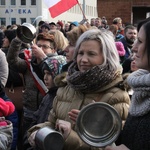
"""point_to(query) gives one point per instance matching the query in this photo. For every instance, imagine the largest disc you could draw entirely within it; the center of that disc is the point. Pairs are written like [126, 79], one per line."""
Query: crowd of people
[66, 67]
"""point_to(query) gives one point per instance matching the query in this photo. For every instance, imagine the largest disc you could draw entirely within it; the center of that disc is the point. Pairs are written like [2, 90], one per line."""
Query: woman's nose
[84, 58]
[66, 50]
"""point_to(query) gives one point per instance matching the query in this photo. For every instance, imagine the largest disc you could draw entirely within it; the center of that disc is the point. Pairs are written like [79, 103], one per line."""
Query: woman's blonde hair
[59, 38]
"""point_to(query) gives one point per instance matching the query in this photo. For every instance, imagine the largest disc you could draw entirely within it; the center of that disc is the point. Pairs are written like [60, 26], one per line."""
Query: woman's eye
[92, 54]
[80, 53]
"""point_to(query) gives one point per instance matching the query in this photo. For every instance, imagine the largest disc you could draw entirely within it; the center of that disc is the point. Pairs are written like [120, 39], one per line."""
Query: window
[33, 2]
[33, 21]
[13, 2]
[23, 2]
[3, 21]
[2, 2]
[22, 20]
[13, 21]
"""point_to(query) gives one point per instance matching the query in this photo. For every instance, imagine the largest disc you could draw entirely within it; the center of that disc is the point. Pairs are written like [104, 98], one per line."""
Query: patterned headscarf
[54, 65]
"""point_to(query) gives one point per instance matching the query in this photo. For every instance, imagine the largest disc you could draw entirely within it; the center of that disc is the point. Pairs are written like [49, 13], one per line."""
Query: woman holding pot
[95, 74]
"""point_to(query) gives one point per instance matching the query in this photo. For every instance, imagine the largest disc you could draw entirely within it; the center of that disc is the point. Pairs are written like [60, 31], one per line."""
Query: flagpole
[84, 17]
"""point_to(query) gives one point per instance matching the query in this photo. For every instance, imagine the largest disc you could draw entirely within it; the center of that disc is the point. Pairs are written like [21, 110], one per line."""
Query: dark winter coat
[136, 133]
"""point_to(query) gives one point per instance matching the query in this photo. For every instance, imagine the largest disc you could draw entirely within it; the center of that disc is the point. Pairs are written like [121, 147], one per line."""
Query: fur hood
[60, 80]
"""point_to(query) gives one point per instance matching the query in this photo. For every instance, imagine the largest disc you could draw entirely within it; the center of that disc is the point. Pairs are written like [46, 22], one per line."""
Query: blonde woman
[60, 40]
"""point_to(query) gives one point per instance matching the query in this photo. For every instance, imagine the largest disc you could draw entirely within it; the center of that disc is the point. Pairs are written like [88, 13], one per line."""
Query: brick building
[131, 11]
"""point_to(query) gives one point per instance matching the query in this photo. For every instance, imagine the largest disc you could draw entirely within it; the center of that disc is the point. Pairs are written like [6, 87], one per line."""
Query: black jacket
[136, 133]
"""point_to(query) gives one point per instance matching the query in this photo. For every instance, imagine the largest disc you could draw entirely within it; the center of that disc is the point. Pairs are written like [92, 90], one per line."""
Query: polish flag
[57, 7]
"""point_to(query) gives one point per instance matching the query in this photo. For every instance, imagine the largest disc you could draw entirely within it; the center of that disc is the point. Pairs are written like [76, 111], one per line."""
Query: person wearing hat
[38, 28]
[73, 24]
[8, 36]
[45, 27]
[51, 68]
[60, 25]
[6, 127]
[52, 26]
[8, 110]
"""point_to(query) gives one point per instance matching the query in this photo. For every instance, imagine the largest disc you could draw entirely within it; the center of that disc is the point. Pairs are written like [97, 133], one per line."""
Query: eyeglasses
[44, 46]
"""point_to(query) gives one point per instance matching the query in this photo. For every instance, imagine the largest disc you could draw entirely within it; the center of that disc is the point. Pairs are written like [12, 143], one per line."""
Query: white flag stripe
[50, 3]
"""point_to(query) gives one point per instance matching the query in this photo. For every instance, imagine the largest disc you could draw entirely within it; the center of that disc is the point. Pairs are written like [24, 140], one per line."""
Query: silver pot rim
[26, 32]
[101, 129]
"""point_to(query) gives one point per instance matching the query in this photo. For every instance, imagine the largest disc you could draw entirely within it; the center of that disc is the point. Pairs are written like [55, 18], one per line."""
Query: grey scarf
[92, 79]
[140, 83]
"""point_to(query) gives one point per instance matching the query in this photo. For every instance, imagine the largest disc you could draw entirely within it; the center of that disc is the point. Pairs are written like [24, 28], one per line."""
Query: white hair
[107, 45]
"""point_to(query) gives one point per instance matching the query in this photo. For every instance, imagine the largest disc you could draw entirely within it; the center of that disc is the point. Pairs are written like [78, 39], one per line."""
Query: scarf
[140, 101]
[91, 80]
[38, 82]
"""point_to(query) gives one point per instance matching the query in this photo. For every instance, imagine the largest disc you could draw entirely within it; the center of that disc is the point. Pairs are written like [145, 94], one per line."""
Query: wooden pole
[84, 17]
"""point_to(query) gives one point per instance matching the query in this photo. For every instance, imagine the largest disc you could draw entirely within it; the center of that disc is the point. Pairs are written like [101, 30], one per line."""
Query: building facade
[131, 11]
[32, 11]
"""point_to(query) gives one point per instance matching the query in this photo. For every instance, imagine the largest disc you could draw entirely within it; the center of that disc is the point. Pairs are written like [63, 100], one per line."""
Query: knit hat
[10, 34]
[60, 23]
[54, 64]
[75, 23]
[46, 25]
[120, 48]
[6, 108]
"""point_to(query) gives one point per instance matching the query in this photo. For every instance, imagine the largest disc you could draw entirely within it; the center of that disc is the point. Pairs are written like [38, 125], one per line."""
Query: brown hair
[46, 37]
[113, 28]
[75, 33]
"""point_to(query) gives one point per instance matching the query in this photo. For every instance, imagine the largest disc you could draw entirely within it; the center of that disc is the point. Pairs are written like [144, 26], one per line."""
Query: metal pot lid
[26, 32]
[98, 124]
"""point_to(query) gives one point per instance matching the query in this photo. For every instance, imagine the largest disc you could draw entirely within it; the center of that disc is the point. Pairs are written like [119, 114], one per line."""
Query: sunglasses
[44, 46]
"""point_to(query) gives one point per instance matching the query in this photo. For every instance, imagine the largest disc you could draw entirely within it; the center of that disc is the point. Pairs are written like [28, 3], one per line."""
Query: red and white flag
[57, 7]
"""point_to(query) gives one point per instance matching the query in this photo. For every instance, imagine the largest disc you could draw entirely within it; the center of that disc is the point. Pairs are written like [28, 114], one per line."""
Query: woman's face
[133, 66]
[69, 50]
[58, 27]
[48, 80]
[139, 48]
[46, 46]
[89, 55]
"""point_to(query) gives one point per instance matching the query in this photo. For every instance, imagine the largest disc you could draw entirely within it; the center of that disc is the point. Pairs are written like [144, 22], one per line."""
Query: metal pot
[49, 139]
[98, 124]
[26, 32]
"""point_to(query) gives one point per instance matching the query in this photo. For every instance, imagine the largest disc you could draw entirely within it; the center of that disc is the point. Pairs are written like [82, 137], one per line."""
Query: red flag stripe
[61, 7]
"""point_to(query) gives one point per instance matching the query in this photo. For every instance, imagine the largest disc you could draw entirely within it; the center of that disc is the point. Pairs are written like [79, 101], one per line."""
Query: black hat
[46, 25]
[52, 23]
[10, 34]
